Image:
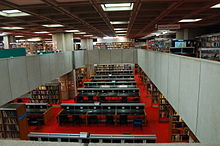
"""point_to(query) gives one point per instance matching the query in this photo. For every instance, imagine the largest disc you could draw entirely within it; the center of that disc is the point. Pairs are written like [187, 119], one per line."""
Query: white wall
[191, 86]
[20, 75]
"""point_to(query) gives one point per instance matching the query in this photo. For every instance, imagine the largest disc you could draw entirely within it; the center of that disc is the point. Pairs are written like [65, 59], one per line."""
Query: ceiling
[88, 15]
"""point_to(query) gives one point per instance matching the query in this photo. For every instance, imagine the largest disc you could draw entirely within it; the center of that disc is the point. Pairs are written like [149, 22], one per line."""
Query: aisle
[152, 127]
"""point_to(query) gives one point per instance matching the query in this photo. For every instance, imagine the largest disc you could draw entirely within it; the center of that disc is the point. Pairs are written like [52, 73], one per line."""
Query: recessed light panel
[117, 6]
[190, 20]
[11, 28]
[119, 22]
[216, 6]
[41, 32]
[80, 33]
[71, 30]
[13, 13]
[120, 29]
[53, 25]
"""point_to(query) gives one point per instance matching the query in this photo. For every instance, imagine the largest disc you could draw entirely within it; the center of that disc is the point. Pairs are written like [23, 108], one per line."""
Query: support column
[180, 34]
[7, 40]
[87, 44]
[63, 41]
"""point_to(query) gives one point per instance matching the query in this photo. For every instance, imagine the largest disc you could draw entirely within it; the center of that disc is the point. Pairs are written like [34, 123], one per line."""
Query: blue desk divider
[6, 53]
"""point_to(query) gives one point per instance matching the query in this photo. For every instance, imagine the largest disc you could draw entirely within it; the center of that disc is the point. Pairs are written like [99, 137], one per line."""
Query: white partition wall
[20, 75]
[191, 86]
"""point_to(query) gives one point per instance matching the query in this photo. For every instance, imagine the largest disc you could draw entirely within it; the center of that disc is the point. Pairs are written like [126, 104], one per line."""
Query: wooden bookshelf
[13, 122]
[81, 74]
[164, 107]
[48, 93]
[155, 97]
[179, 130]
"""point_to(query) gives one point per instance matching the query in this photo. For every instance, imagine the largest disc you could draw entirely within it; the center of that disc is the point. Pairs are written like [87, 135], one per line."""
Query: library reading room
[110, 72]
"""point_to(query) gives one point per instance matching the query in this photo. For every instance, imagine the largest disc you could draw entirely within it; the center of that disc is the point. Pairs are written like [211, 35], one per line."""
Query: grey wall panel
[127, 56]
[33, 71]
[189, 90]
[105, 56]
[208, 129]
[60, 58]
[86, 57]
[79, 59]
[18, 76]
[93, 57]
[68, 62]
[157, 70]
[151, 65]
[116, 56]
[5, 94]
[173, 81]
[135, 56]
[45, 67]
[141, 58]
[164, 64]
[53, 66]
[147, 63]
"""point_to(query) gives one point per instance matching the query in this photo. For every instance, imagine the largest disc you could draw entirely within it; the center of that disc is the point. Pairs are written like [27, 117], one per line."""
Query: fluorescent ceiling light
[4, 33]
[216, 6]
[71, 30]
[120, 29]
[109, 37]
[88, 35]
[13, 13]
[41, 32]
[121, 34]
[119, 22]
[33, 39]
[190, 20]
[12, 28]
[19, 36]
[80, 33]
[117, 6]
[53, 25]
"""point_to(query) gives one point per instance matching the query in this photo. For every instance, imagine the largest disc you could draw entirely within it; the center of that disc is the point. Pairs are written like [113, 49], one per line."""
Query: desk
[104, 109]
[115, 72]
[112, 79]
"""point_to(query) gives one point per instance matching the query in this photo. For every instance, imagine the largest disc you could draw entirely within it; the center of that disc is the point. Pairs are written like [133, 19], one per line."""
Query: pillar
[87, 44]
[7, 40]
[180, 34]
[63, 41]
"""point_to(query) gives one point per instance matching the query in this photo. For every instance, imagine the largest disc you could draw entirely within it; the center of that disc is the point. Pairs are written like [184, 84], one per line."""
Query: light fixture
[21, 40]
[4, 33]
[108, 37]
[190, 20]
[120, 29]
[50, 34]
[80, 33]
[88, 35]
[119, 22]
[34, 39]
[12, 28]
[53, 25]
[41, 32]
[121, 34]
[216, 6]
[117, 6]
[72, 31]
[13, 13]
[19, 36]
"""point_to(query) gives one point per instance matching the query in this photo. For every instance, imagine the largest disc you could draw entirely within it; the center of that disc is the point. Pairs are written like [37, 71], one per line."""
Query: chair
[109, 120]
[137, 123]
[123, 119]
[93, 120]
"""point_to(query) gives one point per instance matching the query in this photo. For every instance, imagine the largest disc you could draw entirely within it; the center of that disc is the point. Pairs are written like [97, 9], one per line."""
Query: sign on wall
[169, 27]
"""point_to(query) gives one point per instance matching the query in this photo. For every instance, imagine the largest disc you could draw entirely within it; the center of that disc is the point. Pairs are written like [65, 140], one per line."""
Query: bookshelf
[81, 74]
[164, 106]
[161, 45]
[210, 53]
[116, 45]
[186, 51]
[48, 93]
[13, 122]
[179, 130]
[155, 97]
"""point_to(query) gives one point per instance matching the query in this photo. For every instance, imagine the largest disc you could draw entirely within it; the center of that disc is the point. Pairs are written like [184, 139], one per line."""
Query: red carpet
[153, 126]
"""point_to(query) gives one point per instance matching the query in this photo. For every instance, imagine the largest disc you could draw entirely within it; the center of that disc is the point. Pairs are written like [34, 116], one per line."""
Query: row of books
[10, 120]
[11, 127]
[11, 134]
[9, 113]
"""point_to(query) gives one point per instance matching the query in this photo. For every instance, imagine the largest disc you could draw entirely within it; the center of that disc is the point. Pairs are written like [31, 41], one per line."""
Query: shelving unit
[210, 53]
[161, 45]
[116, 45]
[81, 74]
[163, 109]
[187, 51]
[48, 93]
[179, 130]
[155, 97]
[111, 67]
[13, 122]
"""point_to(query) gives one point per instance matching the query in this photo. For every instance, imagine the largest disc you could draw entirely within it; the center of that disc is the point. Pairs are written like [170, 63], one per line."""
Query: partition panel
[116, 56]
[157, 69]
[189, 90]
[53, 66]
[127, 56]
[105, 56]
[33, 71]
[208, 128]
[45, 67]
[18, 76]
[5, 87]
[164, 65]
[79, 59]
[93, 57]
[173, 81]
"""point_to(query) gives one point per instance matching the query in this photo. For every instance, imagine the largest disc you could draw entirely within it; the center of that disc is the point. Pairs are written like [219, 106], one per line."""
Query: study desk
[111, 79]
[82, 112]
[112, 76]
[110, 84]
[114, 72]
